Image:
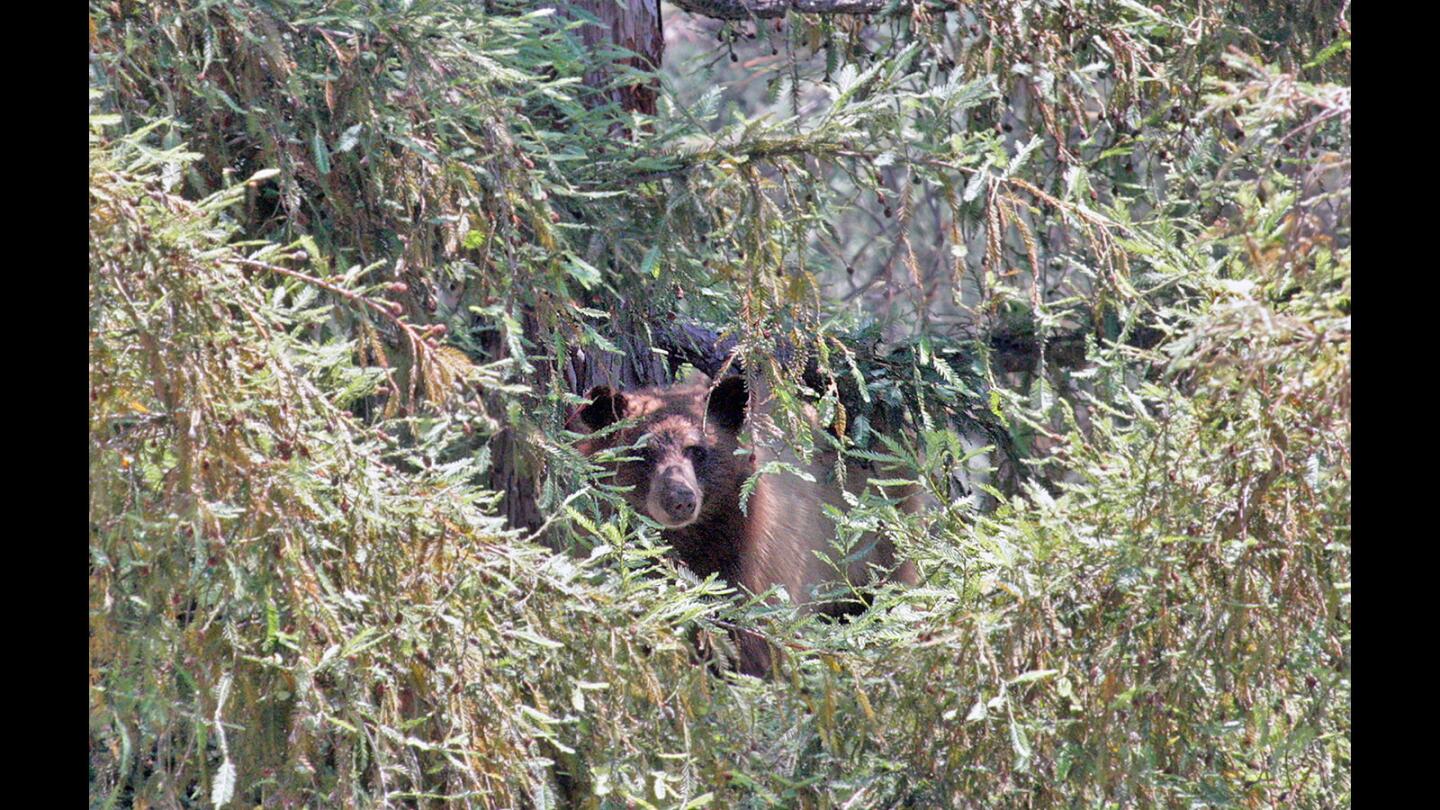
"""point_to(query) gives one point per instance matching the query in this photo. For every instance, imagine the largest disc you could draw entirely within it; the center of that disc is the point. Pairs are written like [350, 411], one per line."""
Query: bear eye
[697, 453]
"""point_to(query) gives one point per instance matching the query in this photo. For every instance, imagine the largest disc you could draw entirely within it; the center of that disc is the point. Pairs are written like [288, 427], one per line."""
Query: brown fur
[775, 543]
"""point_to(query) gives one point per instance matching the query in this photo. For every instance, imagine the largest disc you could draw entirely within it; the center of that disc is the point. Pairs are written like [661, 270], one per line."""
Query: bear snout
[679, 502]
[674, 498]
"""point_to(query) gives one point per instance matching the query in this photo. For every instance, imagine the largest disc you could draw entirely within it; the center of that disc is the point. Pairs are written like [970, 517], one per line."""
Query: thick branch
[756, 9]
[1011, 350]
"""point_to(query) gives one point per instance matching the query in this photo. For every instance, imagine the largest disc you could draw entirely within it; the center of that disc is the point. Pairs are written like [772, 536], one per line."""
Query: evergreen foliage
[349, 263]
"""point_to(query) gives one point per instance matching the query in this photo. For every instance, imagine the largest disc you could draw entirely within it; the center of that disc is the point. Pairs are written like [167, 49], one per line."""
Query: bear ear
[727, 403]
[606, 408]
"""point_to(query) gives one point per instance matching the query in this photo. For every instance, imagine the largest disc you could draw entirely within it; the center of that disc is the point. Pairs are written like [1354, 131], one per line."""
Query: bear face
[684, 472]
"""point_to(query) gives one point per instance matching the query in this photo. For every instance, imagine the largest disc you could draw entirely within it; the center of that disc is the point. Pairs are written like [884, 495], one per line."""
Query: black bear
[688, 479]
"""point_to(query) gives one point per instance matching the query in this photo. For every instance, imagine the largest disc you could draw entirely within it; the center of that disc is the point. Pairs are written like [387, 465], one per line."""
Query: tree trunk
[630, 24]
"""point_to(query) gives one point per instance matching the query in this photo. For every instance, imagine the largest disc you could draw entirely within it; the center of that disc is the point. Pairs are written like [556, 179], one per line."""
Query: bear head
[682, 467]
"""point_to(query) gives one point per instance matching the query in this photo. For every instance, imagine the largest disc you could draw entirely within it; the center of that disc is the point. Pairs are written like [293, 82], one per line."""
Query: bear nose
[679, 502]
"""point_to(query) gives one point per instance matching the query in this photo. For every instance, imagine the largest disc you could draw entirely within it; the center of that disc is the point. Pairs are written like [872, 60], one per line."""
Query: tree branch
[758, 9]
[1011, 350]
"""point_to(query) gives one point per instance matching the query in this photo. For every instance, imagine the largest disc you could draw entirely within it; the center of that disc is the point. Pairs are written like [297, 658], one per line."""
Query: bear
[688, 478]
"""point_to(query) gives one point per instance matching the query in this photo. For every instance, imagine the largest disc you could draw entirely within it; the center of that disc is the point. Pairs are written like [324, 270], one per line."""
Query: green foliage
[344, 258]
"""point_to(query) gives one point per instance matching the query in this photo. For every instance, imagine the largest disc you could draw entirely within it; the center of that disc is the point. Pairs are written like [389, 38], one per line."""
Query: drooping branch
[758, 9]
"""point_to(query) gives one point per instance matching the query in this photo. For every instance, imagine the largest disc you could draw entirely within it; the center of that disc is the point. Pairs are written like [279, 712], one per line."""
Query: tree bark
[635, 26]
